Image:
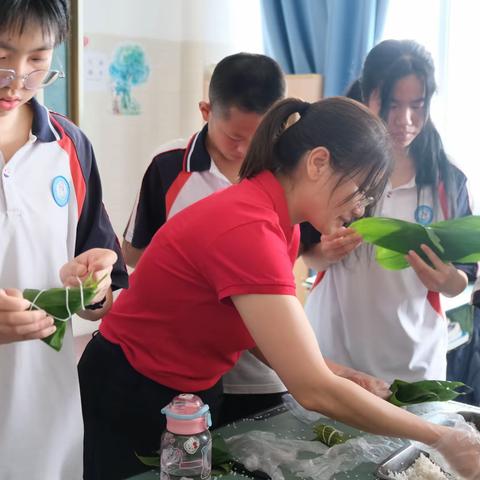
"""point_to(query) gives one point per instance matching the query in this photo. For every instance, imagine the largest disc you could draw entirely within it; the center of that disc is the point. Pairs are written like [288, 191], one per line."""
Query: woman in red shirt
[217, 279]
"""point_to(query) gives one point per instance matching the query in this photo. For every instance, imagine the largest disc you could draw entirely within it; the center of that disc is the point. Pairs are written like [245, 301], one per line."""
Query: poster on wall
[128, 69]
[96, 71]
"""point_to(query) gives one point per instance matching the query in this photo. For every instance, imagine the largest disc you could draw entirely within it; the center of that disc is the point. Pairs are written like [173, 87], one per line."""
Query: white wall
[181, 39]
[160, 19]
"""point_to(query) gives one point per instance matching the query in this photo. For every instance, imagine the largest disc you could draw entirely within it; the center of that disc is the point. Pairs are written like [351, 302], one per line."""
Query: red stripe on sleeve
[434, 300]
[78, 178]
[318, 278]
[174, 190]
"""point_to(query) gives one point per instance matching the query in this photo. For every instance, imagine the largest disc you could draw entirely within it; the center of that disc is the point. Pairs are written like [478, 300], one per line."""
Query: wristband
[97, 305]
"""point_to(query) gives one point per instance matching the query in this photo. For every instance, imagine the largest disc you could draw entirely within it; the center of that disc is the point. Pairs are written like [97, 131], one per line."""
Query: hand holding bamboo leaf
[61, 304]
[97, 262]
[439, 277]
[373, 384]
[17, 323]
[41, 314]
[339, 244]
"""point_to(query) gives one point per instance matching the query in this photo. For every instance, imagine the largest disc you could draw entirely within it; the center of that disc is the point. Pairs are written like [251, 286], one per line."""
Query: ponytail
[263, 154]
[356, 139]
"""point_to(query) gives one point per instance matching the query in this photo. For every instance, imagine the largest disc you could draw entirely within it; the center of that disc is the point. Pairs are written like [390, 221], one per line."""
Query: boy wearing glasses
[54, 232]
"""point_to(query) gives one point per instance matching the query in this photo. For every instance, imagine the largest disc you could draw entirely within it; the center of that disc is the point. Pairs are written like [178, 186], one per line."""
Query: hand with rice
[461, 448]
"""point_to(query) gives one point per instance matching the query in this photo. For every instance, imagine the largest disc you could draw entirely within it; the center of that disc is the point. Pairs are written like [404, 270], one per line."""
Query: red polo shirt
[176, 323]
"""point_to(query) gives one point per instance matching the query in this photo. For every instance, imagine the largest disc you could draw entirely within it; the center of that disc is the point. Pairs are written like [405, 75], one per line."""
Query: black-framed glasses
[31, 81]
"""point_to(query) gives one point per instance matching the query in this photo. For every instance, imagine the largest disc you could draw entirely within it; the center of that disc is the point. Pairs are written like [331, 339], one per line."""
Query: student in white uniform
[53, 230]
[390, 323]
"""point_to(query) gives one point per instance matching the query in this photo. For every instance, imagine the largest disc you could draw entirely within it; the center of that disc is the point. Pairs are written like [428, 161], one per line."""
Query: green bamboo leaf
[460, 238]
[54, 302]
[456, 240]
[149, 461]
[220, 452]
[434, 239]
[391, 233]
[389, 259]
[221, 469]
[329, 435]
[55, 340]
[406, 393]
[473, 258]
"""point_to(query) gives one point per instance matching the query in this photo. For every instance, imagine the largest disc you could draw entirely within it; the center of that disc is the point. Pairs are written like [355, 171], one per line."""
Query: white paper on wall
[96, 76]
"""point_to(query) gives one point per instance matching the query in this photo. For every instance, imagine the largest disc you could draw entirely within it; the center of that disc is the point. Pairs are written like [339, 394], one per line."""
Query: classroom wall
[180, 39]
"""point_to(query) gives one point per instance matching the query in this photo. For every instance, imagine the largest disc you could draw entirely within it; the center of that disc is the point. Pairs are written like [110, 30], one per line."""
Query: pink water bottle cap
[187, 415]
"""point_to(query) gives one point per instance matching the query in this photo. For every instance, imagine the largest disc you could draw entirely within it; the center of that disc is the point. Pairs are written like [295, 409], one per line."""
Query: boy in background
[54, 232]
[242, 88]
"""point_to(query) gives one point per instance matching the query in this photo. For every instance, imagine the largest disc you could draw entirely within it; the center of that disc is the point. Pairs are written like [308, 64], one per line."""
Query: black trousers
[121, 412]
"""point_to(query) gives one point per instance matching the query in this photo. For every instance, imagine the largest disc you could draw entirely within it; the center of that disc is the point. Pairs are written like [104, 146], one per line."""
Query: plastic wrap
[300, 413]
[265, 451]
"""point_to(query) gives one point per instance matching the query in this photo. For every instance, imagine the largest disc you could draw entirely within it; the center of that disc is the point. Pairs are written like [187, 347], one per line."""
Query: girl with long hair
[390, 323]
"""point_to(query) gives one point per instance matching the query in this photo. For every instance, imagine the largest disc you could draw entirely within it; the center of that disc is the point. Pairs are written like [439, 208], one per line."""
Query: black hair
[357, 140]
[388, 62]
[354, 91]
[250, 82]
[51, 15]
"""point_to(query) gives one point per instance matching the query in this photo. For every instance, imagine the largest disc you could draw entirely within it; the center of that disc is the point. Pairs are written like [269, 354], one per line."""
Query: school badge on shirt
[423, 215]
[60, 190]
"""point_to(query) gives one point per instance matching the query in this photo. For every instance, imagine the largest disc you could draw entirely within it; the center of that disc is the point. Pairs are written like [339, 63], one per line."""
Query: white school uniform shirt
[44, 188]
[382, 322]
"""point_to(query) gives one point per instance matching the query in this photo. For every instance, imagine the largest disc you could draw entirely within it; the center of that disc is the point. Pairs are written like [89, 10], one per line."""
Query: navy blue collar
[42, 126]
[197, 158]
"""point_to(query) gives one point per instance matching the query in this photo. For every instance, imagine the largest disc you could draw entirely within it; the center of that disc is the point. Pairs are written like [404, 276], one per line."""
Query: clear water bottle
[186, 444]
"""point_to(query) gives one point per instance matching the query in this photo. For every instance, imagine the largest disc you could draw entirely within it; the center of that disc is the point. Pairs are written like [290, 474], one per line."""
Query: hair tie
[296, 115]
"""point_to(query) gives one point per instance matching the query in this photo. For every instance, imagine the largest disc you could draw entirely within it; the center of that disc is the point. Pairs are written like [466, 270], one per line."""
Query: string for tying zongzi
[67, 306]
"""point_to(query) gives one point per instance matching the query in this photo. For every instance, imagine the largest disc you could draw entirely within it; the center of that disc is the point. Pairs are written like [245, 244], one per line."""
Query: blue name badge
[424, 215]
[60, 191]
